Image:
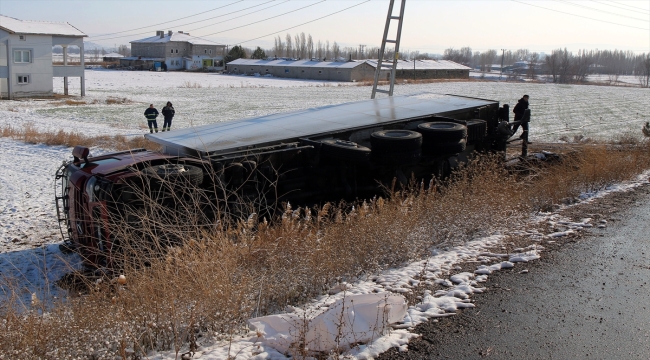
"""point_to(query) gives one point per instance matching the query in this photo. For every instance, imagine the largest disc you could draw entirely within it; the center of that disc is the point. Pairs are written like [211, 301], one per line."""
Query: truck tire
[344, 150]
[176, 172]
[453, 147]
[442, 131]
[393, 141]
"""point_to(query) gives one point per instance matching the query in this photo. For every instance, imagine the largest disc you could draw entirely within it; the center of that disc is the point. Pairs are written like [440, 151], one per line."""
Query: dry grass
[229, 271]
[31, 135]
[190, 85]
[111, 100]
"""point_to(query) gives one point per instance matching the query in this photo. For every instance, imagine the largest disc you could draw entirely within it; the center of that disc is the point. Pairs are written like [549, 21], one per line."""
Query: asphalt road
[588, 299]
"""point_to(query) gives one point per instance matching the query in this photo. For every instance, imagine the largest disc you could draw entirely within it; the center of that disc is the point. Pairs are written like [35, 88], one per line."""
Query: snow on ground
[272, 333]
[27, 213]
[557, 110]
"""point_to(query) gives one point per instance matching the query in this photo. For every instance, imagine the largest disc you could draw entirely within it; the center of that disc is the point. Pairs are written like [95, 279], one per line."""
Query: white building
[177, 50]
[26, 66]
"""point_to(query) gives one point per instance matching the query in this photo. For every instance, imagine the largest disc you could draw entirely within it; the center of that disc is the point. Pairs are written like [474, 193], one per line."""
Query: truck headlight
[91, 189]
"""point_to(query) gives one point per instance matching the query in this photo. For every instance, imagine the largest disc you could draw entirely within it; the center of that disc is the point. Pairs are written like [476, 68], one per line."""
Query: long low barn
[428, 69]
[363, 70]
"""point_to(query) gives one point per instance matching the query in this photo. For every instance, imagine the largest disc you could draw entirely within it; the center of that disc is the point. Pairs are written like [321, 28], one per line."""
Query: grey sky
[429, 25]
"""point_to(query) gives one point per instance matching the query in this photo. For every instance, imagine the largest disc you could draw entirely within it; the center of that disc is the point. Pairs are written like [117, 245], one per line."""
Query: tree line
[561, 65]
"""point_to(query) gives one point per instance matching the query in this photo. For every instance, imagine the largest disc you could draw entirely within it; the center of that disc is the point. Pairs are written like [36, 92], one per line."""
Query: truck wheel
[454, 147]
[442, 131]
[176, 172]
[344, 150]
[390, 141]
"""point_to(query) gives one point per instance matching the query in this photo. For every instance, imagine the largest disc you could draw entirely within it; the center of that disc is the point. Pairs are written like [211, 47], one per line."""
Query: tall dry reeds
[30, 134]
[191, 276]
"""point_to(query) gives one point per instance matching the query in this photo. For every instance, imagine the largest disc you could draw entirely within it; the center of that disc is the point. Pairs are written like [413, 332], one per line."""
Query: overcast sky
[429, 25]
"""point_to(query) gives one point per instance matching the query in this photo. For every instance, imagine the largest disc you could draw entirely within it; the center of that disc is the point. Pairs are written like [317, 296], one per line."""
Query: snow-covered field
[28, 217]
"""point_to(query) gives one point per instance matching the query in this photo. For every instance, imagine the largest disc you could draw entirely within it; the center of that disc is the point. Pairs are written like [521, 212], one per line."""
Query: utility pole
[503, 52]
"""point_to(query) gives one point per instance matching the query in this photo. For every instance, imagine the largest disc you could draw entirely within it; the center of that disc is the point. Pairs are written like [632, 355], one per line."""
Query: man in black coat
[168, 113]
[151, 114]
[519, 110]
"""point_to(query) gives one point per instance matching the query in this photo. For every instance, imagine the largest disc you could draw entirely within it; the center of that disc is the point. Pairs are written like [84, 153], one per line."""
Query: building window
[23, 79]
[177, 51]
[205, 51]
[22, 37]
[22, 56]
[172, 51]
[320, 71]
[210, 52]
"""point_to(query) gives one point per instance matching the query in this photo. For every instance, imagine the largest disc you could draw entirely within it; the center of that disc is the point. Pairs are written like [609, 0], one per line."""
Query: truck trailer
[349, 152]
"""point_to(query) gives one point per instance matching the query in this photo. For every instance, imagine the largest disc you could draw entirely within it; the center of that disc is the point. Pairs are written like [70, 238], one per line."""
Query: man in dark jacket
[151, 114]
[519, 110]
[168, 113]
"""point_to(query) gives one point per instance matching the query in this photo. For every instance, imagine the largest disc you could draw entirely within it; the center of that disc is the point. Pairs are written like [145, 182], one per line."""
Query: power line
[633, 7]
[618, 7]
[311, 21]
[272, 17]
[164, 23]
[237, 17]
[194, 22]
[599, 10]
[580, 16]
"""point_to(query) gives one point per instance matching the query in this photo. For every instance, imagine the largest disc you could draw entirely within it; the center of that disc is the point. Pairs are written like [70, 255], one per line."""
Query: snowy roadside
[493, 253]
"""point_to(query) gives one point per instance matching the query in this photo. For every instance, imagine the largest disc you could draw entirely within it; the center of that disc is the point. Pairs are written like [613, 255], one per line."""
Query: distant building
[359, 70]
[177, 50]
[304, 69]
[26, 65]
[112, 57]
[428, 69]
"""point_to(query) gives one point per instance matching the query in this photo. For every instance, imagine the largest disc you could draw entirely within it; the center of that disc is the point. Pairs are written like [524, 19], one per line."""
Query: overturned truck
[342, 152]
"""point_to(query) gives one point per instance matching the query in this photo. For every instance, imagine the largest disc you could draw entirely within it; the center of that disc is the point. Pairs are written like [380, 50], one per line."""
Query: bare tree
[336, 50]
[296, 46]
[310, 47]
[303, 46]
[532, 63]
[581, 66]
[565, 66]
[643, 71]
[319, 49]
[278, 49]
[327, 49]
[553, 64]
[289, 46]
[124, 50]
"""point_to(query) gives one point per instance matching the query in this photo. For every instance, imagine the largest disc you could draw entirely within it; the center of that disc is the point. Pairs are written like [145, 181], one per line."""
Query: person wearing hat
[519, 111]
[151, 114]
[168, 114]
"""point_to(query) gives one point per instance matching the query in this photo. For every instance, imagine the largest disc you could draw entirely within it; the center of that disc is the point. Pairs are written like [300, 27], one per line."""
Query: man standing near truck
[519, 110]
[151, 114]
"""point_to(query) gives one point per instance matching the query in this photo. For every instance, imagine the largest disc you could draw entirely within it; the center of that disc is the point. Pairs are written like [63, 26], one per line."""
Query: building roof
[113, 55]
[298, 63]
[425, 65]
[15, 26]
[142, 58]
[177, 36]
